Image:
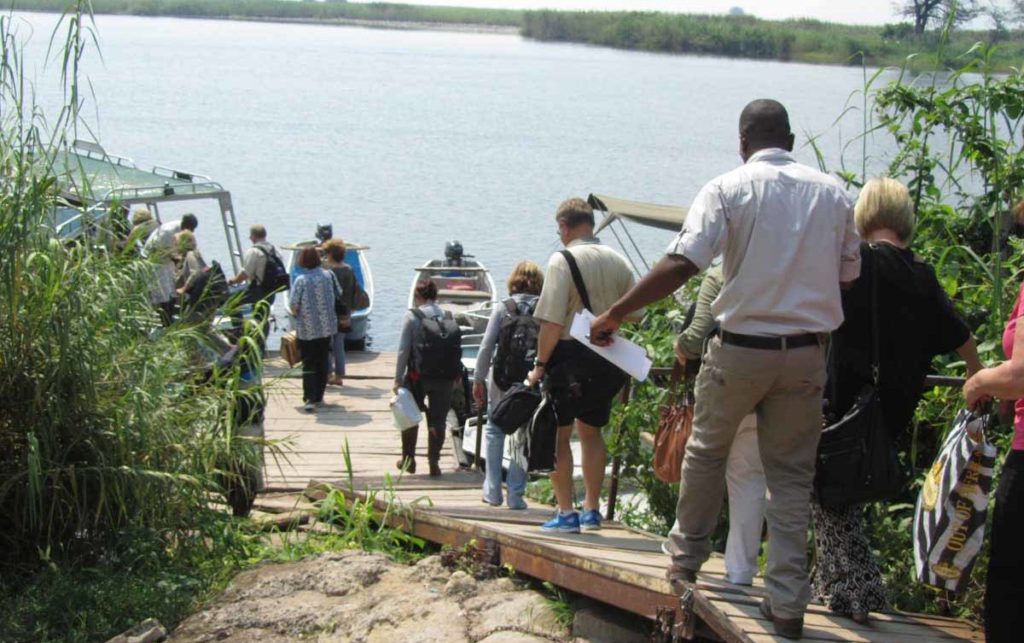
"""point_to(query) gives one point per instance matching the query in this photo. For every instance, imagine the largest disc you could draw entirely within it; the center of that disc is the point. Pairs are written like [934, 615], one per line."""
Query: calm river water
[405, 139]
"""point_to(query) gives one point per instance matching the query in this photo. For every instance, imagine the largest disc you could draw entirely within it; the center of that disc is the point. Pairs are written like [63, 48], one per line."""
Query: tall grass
[106, 424]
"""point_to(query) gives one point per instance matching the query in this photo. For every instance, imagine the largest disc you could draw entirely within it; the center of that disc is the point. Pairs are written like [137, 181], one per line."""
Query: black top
[916, 322]
[347, 280]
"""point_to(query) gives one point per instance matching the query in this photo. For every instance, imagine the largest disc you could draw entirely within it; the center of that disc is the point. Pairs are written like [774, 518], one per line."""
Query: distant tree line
[749, 37]
[735, 35]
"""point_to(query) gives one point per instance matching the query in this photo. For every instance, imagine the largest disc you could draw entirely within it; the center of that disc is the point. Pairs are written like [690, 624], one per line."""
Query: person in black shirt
[916, 322]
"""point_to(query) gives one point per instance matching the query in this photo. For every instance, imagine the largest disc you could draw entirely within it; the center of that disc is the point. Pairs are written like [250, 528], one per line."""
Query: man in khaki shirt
[582, 384]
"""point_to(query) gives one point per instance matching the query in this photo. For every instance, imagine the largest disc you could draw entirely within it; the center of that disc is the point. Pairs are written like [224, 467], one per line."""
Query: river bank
[744, 37]
[389, 24]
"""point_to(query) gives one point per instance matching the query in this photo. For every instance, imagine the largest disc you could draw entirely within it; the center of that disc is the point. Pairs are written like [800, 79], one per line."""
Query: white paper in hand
[628, 356]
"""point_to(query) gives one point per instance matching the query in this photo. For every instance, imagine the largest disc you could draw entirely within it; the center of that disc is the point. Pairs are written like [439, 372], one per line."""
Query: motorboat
[358, 338]
[464, 288]
[97, 192]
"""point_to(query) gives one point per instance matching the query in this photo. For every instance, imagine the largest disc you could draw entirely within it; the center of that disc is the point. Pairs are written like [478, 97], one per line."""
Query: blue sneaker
[564, 523]
[590, 520]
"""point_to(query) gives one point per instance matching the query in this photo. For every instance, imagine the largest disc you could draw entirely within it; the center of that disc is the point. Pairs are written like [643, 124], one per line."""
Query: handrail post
[613, 485]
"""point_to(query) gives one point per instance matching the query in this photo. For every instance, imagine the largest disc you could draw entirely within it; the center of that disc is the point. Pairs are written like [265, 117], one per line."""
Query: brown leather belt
[777, 343]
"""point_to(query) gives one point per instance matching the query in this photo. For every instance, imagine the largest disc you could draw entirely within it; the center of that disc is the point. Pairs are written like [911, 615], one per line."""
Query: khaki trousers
[784, 388]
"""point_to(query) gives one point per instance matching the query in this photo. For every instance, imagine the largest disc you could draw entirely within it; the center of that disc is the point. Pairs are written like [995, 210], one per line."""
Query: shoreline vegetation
[799, 40]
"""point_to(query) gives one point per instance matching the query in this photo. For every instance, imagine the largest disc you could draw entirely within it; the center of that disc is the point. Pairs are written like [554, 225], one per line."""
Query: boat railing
[207, 188]
[180, 175]
[95, 151]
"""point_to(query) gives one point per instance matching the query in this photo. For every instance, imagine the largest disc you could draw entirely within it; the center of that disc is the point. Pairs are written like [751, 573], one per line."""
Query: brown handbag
[290, 348]
[675, 423]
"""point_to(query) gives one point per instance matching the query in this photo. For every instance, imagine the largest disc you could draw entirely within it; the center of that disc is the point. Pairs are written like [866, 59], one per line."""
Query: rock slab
[367, 598]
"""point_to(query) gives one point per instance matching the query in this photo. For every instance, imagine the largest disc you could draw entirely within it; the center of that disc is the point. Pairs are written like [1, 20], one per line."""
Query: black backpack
[541, 438]
[208, 291]
[515, 408]
[517, 345]
[275, 275]
[437, 347]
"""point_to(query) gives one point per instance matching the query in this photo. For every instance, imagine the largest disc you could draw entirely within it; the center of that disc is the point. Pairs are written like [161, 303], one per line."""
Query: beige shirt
[606, 275]
[787, 238]
[254, 263]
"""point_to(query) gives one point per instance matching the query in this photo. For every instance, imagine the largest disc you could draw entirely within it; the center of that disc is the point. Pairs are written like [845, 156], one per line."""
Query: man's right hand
[602, 328]
[478, 393]
[680, 356]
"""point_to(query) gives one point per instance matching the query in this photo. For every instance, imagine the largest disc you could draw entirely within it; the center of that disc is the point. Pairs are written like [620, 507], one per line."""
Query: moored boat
[464, 288]
[355, 256]
[99, 189]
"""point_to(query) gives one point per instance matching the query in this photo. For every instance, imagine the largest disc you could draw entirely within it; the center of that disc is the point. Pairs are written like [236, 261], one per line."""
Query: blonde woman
[916, 322]
[190, 262]
[524, 286]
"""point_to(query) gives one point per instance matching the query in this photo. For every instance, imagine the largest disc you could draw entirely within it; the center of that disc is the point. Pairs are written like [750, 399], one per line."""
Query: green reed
[105, 421]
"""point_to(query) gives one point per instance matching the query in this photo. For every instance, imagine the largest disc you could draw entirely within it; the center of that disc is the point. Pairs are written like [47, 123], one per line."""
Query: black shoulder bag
[857, 459]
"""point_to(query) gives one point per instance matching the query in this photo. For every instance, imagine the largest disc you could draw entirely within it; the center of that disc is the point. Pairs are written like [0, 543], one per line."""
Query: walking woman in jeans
[524, 286]
[312, 302]
[1004, 588]
[334, 260]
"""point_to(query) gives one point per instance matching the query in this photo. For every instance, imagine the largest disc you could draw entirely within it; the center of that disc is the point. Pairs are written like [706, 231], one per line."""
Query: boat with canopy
[98, 189]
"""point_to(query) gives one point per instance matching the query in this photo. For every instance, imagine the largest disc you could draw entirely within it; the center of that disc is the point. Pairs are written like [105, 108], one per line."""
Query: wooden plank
[830, 626]
[617, 564]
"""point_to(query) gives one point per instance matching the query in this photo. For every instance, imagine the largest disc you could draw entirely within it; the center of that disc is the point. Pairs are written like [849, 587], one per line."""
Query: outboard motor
[324, 231]
[453, 253]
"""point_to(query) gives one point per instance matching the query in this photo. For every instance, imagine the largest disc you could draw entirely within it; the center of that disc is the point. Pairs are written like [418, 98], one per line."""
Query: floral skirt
[846, 576]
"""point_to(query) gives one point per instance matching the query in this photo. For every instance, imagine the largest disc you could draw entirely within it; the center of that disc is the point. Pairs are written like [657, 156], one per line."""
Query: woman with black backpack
[429, 365]
[511, 339]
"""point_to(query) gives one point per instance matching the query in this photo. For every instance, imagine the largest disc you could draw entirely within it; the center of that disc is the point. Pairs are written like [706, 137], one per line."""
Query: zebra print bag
[949, 520]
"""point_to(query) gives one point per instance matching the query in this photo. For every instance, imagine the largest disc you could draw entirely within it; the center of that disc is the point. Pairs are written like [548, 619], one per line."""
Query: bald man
[787, 238]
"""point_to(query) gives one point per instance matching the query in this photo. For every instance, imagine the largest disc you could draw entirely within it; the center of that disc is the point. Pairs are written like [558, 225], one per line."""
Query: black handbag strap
[577, 279]
[875, 362]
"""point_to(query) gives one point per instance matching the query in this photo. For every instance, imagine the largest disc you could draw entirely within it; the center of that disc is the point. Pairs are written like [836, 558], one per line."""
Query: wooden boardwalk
[616, 565]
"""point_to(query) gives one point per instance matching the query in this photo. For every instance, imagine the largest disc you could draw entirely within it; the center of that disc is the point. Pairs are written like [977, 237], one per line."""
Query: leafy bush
[959, 149]
[111, 429]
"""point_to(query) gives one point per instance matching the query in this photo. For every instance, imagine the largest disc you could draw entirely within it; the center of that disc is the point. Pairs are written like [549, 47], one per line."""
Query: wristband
[539, 364]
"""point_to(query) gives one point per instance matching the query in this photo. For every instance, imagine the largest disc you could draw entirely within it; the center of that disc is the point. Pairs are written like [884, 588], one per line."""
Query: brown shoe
[680, 578]
[789, 628]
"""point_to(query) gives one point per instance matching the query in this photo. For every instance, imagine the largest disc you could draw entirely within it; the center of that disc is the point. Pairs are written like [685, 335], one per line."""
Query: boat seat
[456, 295]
